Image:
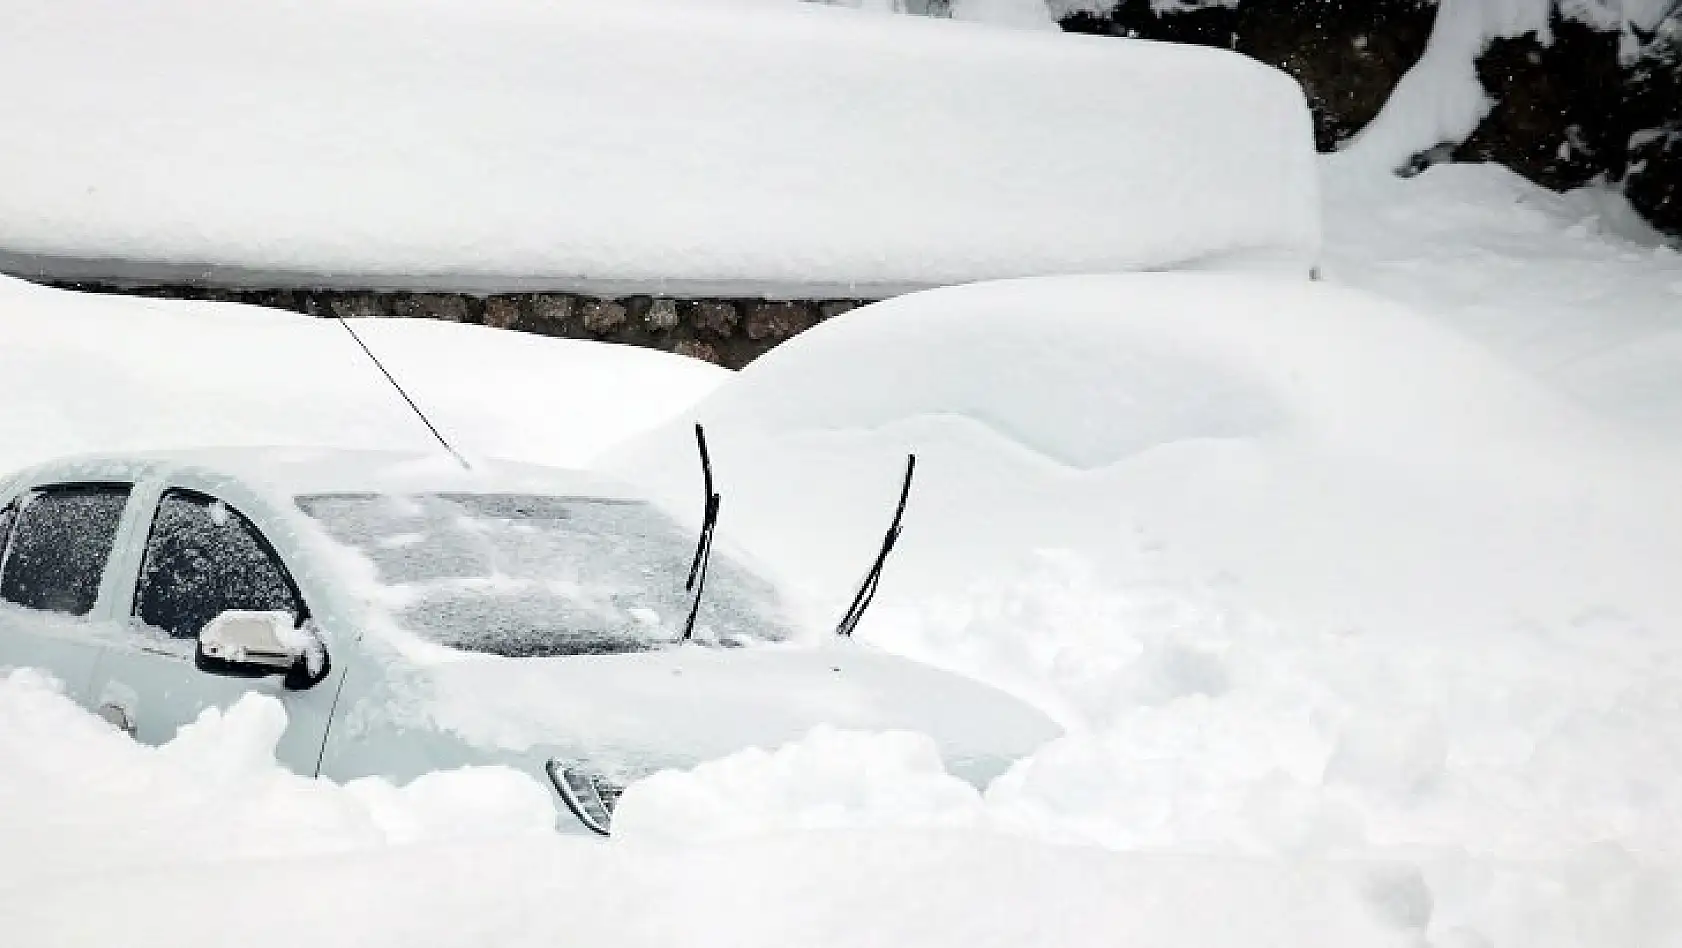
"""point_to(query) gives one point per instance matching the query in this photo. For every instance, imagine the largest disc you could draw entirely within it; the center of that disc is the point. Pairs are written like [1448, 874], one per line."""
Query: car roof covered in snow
[297, 471]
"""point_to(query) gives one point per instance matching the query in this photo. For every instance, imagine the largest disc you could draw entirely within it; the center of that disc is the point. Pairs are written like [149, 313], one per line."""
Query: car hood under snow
[635, 713]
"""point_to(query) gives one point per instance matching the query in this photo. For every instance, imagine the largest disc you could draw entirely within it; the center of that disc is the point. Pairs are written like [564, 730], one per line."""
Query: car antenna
[873, 578]
[418, 413]
[704, 547]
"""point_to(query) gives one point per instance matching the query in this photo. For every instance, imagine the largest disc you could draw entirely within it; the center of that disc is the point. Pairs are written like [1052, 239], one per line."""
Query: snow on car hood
[674, 707]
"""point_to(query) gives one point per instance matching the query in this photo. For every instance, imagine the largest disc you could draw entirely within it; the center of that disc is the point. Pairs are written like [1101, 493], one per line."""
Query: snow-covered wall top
[668, 146]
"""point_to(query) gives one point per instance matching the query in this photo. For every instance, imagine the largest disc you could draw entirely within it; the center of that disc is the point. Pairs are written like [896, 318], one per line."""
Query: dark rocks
[601, 316]
[829, 309]
[1653, 182]
[450, 307]
[1577, 105]
[716, 316]
[1559, 116]
[778, 321]
[728, 332]
[354, 306]
[503, 312]
[662, 315]
[1347, 54]
[550, 314]
[696, 349]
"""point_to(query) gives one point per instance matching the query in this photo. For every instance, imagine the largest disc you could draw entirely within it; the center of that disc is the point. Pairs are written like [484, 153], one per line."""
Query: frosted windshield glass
[523, 575]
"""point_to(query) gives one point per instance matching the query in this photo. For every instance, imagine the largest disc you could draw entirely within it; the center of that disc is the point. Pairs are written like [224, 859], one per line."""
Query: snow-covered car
[411, 615]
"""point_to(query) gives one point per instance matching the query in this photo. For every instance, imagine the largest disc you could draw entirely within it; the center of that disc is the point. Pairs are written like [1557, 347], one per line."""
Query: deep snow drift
[184, 844]
[1249, 432]
[1307, 574]
[1573, 289]
[81, 373]
[743, 145]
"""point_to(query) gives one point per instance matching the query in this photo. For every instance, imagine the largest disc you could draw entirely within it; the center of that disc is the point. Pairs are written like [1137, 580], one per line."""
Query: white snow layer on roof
[82, 373]
[284, 473]
[722, 146]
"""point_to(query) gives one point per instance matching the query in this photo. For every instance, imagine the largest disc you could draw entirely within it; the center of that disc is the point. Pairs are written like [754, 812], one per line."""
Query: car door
[56, 543]
[200, 558]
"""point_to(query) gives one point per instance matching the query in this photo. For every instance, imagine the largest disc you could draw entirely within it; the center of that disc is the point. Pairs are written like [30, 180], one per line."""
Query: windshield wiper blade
[873, 578]
[704, 547]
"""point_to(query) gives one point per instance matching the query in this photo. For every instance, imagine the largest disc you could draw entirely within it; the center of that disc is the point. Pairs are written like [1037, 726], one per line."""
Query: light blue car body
[397, 707]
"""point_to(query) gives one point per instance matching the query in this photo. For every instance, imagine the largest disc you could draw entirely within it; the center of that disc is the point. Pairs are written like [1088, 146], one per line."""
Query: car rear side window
[8, 514]
[202, 559]
[61, 540]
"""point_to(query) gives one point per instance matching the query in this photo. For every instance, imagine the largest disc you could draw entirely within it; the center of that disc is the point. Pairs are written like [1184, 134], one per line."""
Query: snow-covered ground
[1572, 288]
[1359, 614]
[645, 146]
[1357, 600]
[110, 373]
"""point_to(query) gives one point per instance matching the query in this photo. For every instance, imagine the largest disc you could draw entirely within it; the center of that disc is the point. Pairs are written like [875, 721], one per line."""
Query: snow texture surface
[1360, 610]
[751, 145]
[110, 374]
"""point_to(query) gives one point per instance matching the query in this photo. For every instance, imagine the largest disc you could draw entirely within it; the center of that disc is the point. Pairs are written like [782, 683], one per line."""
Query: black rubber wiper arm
[873, 578]
[704, 547]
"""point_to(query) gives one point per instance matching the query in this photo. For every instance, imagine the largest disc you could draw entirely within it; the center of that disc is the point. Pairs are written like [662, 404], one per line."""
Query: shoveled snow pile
[665, 145]
[81, 373]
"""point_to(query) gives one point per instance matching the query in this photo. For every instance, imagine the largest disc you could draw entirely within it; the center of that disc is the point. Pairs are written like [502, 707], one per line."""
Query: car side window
[8, 514]
[61, 540]
[204, 558]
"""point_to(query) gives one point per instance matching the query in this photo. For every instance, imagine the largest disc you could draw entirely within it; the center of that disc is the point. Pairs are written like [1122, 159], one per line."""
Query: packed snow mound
[1328, 454]
[830, 779]
[1090, 371]
[1304, 574]
[81, 373]
[745, 147]
[144, 809]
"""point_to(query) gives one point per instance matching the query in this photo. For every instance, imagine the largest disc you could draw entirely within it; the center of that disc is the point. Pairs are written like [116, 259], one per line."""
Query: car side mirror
[258, 644]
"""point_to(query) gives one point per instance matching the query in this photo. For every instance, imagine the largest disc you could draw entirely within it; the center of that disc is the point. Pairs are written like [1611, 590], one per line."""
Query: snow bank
[82, 373]
[831, 779]
[82, 797]
[1572, 289]
[1306, 575]
[1263, 434]
[183, 844]
[737, 147]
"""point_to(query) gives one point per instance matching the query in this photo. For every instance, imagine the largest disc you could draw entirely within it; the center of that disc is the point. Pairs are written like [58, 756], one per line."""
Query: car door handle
[118, 717]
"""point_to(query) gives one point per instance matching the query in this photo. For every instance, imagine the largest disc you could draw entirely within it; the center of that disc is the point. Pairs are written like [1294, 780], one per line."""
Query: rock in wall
[727, 332]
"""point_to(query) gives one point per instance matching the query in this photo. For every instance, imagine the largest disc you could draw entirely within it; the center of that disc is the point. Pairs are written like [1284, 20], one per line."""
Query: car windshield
[526, 575]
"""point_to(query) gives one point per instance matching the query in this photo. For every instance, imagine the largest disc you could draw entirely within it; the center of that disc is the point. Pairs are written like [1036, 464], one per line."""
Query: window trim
[15, 507]
[304, 613]
[27, 493]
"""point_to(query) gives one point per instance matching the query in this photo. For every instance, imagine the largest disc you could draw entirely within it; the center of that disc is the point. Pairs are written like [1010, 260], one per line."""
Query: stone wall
[727, 332]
